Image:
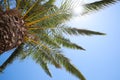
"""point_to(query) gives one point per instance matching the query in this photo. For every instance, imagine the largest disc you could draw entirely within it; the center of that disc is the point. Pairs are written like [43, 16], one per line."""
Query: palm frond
[68, 66]
[49, 40]
[40, 60]
[53, 14]
[11, 58]
[45, 68]
[67, 43]
[97, 5]
[76, 31]
[46, 52]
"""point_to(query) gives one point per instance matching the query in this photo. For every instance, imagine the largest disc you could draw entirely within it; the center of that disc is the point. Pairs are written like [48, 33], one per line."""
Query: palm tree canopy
[45, 28]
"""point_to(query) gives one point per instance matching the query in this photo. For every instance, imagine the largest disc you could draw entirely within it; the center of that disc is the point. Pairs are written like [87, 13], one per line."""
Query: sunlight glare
[77, 11]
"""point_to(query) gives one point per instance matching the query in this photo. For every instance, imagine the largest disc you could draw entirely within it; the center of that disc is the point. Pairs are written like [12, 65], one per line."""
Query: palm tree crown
[36, 28]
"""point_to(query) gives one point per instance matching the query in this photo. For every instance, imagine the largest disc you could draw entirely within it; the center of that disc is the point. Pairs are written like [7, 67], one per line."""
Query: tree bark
[12, 30]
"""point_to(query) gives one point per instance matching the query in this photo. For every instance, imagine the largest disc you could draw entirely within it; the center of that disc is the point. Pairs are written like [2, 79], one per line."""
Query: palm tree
[36, 28]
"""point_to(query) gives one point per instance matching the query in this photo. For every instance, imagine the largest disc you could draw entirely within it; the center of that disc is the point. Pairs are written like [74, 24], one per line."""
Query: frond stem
[41, 19]
[18, 4]
[30, 9]
[34, 14]
[36, 42]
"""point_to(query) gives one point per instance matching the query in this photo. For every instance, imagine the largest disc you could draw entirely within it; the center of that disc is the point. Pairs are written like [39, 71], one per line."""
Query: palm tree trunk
[12, 30]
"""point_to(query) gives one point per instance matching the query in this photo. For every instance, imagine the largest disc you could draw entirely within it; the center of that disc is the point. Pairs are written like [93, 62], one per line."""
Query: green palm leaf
[40, 60]
[68, 66]
[97, 5]
[44, 67]
[76, 31]
[12, 57]
[67, 43]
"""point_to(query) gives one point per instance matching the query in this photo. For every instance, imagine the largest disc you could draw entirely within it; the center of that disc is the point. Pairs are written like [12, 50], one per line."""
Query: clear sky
[100, 61]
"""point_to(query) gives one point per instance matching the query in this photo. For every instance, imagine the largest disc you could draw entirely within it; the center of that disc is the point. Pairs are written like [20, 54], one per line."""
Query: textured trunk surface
[12, 30]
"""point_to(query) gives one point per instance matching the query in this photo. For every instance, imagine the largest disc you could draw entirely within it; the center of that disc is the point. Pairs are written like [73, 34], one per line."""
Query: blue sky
[100, 61]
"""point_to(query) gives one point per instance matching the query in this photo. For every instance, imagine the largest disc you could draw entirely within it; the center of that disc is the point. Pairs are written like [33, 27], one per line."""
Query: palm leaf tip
[78, 47]
[76, 72]
[68, 66]
[45, 68]
[88, 32]
[77, 31]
